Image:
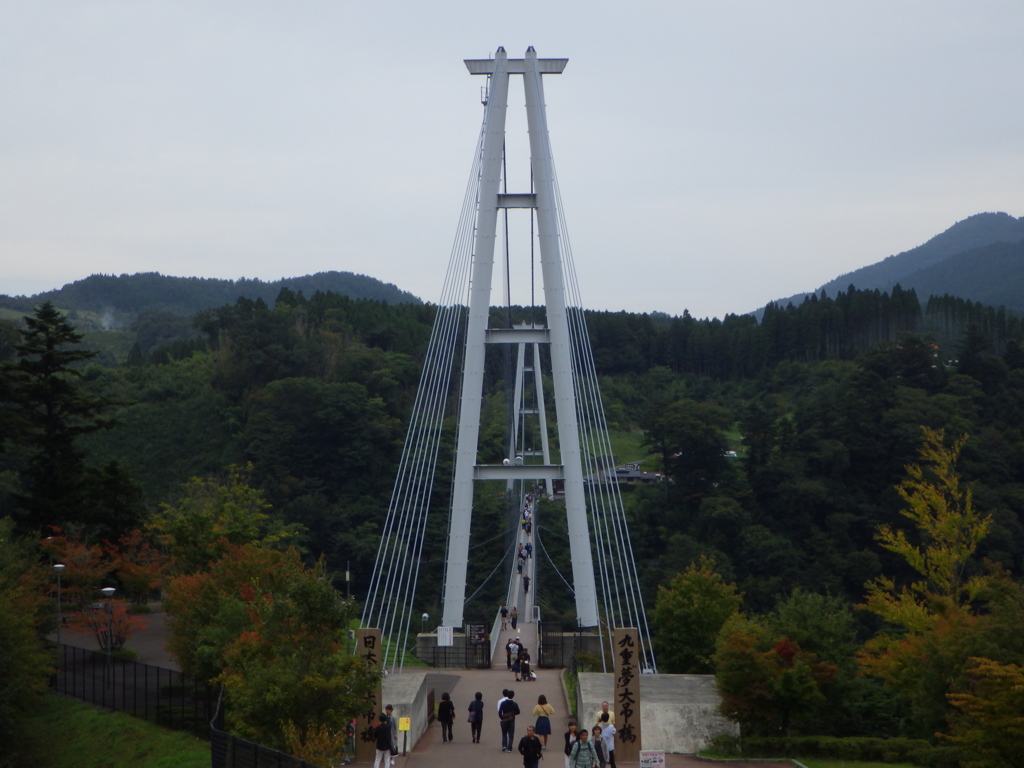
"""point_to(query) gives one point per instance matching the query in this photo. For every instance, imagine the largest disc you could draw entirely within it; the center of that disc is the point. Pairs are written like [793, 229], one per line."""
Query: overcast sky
[712, 155]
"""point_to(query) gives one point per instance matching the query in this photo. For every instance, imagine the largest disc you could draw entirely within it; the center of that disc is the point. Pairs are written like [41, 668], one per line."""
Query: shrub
[724, 745]
[936, 757]
[112, 629]
[859, 748]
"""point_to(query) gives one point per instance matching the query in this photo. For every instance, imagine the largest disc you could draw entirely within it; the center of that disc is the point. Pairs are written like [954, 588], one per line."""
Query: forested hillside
[306, 400]
[115, 301]
[980, 259]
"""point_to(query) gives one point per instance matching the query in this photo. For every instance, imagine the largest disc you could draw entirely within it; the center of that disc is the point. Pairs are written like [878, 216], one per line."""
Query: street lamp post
[58, 568]
[108, 592]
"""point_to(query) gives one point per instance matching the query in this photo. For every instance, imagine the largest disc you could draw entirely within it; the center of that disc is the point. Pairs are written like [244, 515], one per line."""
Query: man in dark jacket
[530, 748]
[507, 713]
[382, 735]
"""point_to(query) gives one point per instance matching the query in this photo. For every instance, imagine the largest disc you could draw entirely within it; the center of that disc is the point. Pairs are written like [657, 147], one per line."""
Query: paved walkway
[462, 684]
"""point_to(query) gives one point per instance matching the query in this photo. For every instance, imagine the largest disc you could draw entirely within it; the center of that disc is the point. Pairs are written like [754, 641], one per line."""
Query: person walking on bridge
[599, 748]
[476, 716]
[507, 714]
[530, 748]
[514, 616]
[382, 737]
[583, 754]
[393, 723]
[543, 712]
[608, 736]
[571, 737]
[446, 716]
[524, 665]
[604, 711]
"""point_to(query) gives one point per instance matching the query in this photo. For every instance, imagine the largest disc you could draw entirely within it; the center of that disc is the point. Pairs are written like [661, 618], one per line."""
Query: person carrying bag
[583, 754]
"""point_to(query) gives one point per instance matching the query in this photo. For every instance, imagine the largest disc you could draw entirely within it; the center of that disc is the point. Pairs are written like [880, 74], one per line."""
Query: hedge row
[916, 751]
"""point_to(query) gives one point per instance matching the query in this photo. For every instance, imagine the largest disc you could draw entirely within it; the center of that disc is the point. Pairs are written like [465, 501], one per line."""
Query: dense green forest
[823, 403]
[782, 444]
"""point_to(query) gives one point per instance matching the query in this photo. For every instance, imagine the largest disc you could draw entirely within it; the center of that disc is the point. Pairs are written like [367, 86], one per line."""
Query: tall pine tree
[51, 410]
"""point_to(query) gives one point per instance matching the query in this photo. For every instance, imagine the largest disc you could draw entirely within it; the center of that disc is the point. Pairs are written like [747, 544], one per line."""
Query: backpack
[507, 711]
[579, 747]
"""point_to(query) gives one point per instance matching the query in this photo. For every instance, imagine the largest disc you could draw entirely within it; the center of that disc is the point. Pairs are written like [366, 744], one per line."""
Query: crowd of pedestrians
[517, 660]
[581, 751]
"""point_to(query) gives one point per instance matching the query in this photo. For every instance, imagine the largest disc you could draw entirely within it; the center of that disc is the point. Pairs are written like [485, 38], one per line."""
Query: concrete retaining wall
[678, 713]
[408, 694]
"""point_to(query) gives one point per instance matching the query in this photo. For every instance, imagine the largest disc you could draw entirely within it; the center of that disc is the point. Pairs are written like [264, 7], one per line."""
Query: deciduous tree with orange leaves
[274, 632]
[766, 682]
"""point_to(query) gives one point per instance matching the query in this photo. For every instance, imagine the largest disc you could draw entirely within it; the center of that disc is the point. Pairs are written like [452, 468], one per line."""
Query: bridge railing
[495, 634]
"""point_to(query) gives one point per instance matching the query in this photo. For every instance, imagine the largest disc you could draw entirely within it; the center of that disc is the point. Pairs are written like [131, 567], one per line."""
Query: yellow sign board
[404, 723]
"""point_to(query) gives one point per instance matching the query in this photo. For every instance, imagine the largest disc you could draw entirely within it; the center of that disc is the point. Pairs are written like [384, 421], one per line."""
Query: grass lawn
[627, 446]
[65, 733]
[814, 762]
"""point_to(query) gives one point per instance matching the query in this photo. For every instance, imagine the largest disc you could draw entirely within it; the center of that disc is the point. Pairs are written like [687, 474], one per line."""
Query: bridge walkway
[462, 684]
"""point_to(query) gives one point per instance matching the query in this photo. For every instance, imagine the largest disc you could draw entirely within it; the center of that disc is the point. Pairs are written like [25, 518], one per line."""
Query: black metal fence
[162, 696]
[165, 697]
[227, 751]
[558, 643]
[478, 655]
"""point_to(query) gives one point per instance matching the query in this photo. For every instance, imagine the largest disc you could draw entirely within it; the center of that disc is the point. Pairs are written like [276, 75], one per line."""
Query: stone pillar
[626, 643]
[368, 647]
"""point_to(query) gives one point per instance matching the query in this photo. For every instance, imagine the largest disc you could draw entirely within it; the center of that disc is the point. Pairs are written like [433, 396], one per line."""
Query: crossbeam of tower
[600, 550]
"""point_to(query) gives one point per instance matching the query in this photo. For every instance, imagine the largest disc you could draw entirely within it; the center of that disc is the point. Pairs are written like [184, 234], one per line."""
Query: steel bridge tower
[605, 583]
[556, 334]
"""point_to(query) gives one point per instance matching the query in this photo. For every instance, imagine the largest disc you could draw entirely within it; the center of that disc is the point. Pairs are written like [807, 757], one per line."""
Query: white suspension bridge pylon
[605, 584]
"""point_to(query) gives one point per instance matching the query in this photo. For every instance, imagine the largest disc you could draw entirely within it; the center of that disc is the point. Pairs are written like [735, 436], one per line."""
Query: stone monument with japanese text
[626, 645]
[368, 648]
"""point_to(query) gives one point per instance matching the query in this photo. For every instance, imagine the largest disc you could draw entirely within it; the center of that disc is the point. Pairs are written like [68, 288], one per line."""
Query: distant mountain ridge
[125, 296]
[980, 258]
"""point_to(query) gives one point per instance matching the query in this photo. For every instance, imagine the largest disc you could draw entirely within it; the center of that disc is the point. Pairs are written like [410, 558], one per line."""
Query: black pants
[611, 759]
[474, 729]
[508, 734]
[446, 730]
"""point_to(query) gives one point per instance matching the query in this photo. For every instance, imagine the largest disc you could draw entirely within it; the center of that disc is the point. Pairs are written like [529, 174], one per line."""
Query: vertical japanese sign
[626, 645]
[368, 647]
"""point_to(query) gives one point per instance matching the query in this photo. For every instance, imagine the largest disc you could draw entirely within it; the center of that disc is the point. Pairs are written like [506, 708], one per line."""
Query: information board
[651, 759]
[477, 633]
